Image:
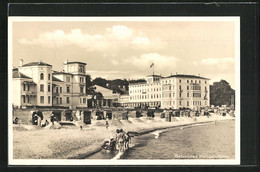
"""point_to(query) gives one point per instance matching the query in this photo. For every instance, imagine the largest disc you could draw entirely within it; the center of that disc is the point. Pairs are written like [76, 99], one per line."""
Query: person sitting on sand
[45, 124]
[112, 143]
[15, 121]
[109, 144]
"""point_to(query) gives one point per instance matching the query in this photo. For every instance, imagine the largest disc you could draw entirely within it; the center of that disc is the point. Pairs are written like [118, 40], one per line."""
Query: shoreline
[82, 144]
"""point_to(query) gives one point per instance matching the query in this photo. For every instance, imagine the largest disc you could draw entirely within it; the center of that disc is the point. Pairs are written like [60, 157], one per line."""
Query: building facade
[109, 99]
[176, 91]
[36, 84]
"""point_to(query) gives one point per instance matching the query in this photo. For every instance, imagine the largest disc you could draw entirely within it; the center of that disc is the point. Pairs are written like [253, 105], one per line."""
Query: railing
[28, 92]
[55, 94]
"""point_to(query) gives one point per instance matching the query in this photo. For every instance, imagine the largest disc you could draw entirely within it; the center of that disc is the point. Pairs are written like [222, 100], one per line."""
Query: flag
[151, 65]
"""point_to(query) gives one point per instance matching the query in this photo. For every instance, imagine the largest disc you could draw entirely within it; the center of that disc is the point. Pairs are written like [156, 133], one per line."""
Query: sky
[126, 49]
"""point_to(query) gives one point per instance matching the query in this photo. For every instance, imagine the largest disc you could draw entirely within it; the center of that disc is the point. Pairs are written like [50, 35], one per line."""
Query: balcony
[55, 94]
[82, 94]
[29, 93]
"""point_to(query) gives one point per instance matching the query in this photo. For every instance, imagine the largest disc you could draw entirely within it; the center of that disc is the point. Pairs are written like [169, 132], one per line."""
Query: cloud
[160, 61]
[141, 41]
[113, 39]
[120, 32]
[115, 62]
[145, 43]
[214, 61]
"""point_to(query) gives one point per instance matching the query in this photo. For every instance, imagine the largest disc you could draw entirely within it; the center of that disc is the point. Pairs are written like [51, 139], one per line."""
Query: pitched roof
[56, 79]
[17, 74]
[185, 76]
[153, 75]
[40, 63]
[59, 73]
[75, 62]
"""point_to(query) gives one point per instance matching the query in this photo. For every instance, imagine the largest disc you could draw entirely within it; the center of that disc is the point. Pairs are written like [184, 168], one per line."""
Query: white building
[176, 91]
[36, 84]
[110, 99]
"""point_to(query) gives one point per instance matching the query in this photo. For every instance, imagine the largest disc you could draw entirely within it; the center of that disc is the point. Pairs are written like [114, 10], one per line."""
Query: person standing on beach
[121, 140]
[107, 124]
[52, 120]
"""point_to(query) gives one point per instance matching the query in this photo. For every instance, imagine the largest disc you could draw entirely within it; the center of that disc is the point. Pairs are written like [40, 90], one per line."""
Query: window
[196, 95]
[187, 94]
[180, 87]
[172, 94]
[49, 88]
[81, 89]
[60, 100]
[24, 87]
[42, 76]
[187, 103]
[84, 100]
[191, 81]
[67, 79]
[196, 81]
[205, 83]
[23, 99]
[42, 88]
[199, 81]
[60, 89]
[42, 99]
[180, 102]
[49, 99]
[187, 81]
[68, 100]
[187, 87]
[49, 76]
[180, 94]
[179, 80]
[68, 89]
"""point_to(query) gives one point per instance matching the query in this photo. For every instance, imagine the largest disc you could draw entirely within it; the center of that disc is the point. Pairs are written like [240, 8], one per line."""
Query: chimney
[21, 63]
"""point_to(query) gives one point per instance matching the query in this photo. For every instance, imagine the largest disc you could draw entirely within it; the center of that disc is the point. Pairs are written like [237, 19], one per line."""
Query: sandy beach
[32, 142]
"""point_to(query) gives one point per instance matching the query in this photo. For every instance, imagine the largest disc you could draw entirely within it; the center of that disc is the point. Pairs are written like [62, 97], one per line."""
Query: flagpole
[153, 68]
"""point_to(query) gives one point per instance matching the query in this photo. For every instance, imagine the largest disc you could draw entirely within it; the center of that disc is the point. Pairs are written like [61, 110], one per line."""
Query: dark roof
[59, 73]
[75, 62]
[56, 79]
[185, 76]
[137, 83]
[40, 63]
[17, 74]
[154, 75]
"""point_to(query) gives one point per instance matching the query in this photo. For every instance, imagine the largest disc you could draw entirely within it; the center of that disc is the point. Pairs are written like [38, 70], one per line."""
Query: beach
[69, 142]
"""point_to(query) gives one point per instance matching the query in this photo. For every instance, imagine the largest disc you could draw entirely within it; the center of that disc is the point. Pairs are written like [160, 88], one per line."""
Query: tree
[97, 97]
[220, 93]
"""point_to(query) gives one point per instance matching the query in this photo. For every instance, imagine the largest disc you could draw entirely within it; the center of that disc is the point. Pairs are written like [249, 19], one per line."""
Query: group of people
[38, 119]
[120, 142]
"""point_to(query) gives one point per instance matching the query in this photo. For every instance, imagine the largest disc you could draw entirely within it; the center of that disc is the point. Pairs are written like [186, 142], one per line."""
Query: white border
[236, 161]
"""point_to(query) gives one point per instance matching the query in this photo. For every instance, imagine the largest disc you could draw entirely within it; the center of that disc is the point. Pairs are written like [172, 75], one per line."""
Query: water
[208, 141]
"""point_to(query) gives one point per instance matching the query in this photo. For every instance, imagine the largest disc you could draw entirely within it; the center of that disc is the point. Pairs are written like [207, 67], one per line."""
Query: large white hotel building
[175, 91]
